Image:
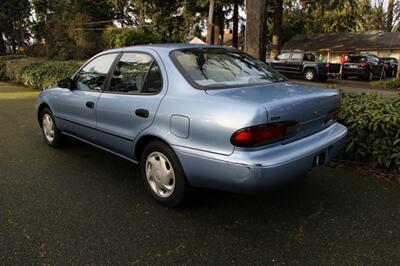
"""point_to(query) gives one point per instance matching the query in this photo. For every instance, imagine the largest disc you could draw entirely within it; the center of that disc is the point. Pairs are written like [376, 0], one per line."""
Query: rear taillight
[332, 115]
[264, 134]
[363, 64]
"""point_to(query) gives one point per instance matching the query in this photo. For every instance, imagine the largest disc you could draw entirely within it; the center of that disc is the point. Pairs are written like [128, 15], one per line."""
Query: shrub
[3, 61]
[44, 75]
[374, 129]
[392, 84]
[13, 68]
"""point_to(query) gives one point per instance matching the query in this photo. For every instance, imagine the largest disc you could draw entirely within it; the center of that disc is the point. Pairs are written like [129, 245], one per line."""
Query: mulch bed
[367, 170]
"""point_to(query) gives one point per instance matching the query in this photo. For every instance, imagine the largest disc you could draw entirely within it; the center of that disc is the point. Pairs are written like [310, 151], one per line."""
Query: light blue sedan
[195, 116]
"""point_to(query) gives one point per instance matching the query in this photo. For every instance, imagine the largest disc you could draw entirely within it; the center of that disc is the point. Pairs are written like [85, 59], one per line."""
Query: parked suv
[391, 64]
[366, 67]
[300, 64]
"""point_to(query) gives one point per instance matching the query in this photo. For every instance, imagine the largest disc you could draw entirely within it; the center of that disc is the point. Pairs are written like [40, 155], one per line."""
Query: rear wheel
[163, 174]
[309, 74]
[51, 133]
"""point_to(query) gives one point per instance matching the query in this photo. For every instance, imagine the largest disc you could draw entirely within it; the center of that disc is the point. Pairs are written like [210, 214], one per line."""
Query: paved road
[351, 85]
[78, 205]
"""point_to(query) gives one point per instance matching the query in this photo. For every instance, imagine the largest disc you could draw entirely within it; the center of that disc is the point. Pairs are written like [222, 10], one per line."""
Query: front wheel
[163, 174]
[51, 133]
[309, 74]
[370, 76]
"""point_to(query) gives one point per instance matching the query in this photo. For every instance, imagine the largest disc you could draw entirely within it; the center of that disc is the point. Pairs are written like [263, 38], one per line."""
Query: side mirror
[66, 84]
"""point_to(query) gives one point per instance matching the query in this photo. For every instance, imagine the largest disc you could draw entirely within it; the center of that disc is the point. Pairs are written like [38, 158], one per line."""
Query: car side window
[136, 73]
[93, 75]
[283, 56]
[297, 56]
[309, 57]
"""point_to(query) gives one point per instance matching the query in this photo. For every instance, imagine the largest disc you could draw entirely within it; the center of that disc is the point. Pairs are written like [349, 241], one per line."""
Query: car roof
[175, 46]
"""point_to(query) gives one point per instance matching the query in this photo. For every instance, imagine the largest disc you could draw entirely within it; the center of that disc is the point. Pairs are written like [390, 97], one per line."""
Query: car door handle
[90, 104]
[142, 113]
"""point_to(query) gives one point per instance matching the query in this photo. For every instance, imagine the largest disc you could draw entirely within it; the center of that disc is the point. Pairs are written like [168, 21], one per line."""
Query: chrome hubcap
[48, 127]
[160, 174]
[309, 75]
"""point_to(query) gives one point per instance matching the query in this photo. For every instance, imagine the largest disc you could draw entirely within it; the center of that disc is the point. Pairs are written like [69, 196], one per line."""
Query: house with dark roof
[333, 45]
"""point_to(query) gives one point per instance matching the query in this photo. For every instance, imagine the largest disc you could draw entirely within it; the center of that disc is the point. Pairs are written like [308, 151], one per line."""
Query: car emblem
[316, 112]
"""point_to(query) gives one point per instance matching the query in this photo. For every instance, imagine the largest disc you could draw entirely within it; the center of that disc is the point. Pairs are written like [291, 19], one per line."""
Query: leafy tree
[14, 21]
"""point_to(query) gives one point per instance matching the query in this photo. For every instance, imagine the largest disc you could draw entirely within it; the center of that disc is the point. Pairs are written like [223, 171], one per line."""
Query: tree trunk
[255, 35]
[140, 11]
[221, 26]
[389, 18]
[277, 30]
[210, 23]
[235, 39]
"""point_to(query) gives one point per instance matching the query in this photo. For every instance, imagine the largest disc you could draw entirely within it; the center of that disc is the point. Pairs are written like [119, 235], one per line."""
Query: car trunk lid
[309, 106]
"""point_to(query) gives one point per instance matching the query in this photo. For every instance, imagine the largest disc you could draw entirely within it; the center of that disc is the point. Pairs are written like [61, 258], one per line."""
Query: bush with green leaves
[392, 84]
[3, 62]
[373, 121]
[14, 67]
[46, 74]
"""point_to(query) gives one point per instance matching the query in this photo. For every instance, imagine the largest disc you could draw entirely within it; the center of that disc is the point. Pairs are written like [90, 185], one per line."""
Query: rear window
[208, 68]
[357, 59]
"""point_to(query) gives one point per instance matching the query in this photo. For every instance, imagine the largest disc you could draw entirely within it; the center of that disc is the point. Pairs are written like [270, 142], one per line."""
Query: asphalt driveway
[352, 85]
[78, 205]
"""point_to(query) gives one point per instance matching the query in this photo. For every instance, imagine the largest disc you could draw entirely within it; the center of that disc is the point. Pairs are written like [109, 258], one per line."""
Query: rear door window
[136, 73]
[309, 57]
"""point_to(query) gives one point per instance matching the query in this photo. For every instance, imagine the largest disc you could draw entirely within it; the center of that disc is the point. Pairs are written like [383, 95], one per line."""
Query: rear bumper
[259, 170]
[356, 72]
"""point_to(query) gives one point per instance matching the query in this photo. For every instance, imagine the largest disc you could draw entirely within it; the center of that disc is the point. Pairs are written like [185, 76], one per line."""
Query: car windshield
[218, 68]
[357, 59]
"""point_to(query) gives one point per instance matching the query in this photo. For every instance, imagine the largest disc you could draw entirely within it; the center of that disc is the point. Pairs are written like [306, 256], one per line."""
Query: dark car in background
[366, 67]
[391, 65]
[302, 64]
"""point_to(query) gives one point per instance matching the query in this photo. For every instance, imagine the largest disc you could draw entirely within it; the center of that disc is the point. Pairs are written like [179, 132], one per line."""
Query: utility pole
[210, 23]
[255, 35]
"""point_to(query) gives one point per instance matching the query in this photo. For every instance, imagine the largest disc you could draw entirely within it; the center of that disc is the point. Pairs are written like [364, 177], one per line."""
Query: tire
[344, 77]
[370, 76]
[51, 133]
[170, 187]
[309, 74]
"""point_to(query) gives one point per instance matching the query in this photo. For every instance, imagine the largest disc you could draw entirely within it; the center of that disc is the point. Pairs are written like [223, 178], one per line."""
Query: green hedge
[3, 62]
[13, 68]
[38, 73]
[392, 84]
[374, 129]
[44, 75]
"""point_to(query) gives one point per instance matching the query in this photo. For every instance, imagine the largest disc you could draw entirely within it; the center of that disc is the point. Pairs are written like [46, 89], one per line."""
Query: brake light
[332, 115]
[363, 64]
[264, 134]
